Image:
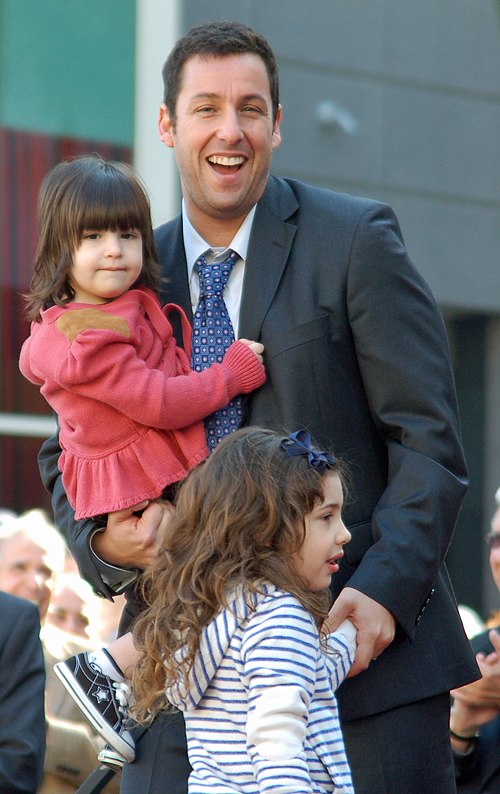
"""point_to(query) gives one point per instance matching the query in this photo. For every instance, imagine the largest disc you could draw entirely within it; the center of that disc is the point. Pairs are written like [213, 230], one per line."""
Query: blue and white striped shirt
[260, 710]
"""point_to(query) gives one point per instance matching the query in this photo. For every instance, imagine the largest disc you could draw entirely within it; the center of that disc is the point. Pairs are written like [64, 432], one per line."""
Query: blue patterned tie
[212, 335]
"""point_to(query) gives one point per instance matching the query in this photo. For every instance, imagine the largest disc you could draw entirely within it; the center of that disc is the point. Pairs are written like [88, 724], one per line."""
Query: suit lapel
[170, 246]
[268, 251]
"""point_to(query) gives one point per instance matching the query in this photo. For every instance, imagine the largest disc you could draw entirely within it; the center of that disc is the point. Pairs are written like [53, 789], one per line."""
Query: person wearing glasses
[475, 715]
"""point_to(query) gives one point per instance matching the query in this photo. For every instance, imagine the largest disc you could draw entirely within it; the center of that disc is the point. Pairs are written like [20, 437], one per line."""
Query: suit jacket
[22, 683]
[356, 352]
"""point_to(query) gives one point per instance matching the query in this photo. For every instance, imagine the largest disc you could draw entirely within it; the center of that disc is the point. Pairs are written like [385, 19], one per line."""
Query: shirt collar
[195, 245]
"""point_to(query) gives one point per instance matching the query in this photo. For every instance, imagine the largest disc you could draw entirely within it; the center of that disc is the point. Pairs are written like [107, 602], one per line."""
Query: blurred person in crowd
[74, 607]
[475, 716]
[32, 552]
[32, 556]
[22, 683]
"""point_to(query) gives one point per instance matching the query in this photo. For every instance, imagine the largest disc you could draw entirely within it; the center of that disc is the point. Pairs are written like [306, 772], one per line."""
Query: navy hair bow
[299, 443]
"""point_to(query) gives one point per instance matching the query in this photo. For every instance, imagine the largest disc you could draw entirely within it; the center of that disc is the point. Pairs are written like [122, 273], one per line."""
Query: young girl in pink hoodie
[103, 352]
[102, 349]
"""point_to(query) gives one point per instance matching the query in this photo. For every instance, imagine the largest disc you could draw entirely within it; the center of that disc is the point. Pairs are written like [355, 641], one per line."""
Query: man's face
[68, 612]
[495, 548]
[223, 137]
[25, 572]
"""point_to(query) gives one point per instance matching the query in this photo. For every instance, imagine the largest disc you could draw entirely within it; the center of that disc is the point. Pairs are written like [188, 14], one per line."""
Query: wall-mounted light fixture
[330, 114]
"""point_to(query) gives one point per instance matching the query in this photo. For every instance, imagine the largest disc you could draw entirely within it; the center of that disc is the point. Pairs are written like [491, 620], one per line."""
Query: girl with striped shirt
[232, 635]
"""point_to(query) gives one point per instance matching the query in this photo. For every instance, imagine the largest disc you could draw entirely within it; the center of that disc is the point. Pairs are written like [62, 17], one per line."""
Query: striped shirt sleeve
[279, 653]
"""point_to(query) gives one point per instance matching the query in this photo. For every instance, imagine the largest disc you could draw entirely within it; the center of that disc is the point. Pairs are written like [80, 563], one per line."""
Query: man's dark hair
[216, 39]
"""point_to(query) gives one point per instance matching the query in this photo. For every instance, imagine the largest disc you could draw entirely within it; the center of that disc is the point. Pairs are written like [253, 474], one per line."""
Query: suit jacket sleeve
[356, 352]
[402, 354]
[22, 683]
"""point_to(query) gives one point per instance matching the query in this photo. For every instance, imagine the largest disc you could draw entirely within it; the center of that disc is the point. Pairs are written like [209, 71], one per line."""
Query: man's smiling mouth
[217, 159]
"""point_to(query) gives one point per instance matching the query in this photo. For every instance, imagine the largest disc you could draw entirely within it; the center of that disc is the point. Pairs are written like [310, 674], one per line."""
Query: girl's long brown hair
[85, 193]
[239, 519]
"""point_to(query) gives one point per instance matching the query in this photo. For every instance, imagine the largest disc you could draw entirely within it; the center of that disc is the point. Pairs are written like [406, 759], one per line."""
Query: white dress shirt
[195, 246]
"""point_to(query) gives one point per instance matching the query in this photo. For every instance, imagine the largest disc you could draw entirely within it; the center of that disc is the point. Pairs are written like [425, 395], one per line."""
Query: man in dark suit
[356, 352]
[22, 685]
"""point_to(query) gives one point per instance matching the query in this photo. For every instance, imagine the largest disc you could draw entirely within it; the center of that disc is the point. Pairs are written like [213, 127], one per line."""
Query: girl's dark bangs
[111, 205]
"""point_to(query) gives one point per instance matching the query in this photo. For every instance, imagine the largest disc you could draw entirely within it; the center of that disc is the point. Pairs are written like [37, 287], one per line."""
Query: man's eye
[45, 574]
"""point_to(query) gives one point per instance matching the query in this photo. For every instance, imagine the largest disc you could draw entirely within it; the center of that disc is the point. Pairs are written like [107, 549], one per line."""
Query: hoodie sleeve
[279, 653]
[103, 364]
[341, 651]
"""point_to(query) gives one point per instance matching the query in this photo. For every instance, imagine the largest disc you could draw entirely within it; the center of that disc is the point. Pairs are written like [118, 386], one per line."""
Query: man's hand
[375, 624]
[465, 720]
[484, 693]
[132, 538]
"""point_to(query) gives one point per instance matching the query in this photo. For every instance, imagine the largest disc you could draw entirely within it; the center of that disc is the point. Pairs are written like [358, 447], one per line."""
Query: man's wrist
[115, 577]
[463, 744]
[464, 737]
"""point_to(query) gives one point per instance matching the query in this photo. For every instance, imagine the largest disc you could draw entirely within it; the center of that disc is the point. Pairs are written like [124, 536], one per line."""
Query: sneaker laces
[122, 694]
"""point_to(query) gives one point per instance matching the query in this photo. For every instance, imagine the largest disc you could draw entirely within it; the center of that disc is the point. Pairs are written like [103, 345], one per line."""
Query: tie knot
[214, 277]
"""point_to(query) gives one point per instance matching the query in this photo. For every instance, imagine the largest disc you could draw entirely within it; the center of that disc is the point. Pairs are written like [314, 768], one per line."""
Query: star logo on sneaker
[100, 695]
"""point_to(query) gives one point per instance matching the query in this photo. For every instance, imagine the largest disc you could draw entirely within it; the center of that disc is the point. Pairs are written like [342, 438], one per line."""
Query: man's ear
[165, 127]
[276, 139]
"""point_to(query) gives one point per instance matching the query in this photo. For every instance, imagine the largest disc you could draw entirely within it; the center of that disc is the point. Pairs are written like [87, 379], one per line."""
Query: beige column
[157, 29]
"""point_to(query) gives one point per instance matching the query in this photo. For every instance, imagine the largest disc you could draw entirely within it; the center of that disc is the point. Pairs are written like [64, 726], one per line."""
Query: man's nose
[230, 127]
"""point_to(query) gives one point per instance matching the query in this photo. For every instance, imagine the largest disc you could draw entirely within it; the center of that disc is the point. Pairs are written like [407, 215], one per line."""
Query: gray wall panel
[455, 247]
[315, 151]
[341, 34]
[442, 143]
[452, 42]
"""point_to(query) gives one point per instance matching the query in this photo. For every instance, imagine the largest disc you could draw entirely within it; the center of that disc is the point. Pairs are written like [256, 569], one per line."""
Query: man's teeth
[217, 160]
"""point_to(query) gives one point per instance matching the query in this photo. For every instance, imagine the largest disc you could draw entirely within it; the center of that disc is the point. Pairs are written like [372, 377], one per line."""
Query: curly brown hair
[239, 519]
[85, 193]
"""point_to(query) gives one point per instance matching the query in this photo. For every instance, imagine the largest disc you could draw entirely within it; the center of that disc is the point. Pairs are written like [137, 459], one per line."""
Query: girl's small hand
[255, 347]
